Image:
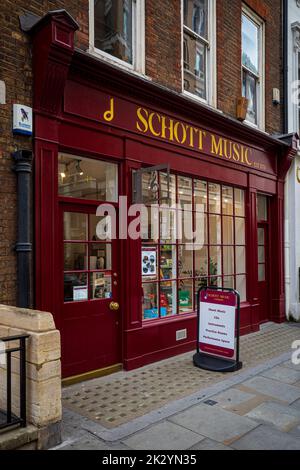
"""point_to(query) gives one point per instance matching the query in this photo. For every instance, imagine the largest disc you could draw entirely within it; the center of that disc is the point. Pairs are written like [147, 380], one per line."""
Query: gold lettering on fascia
[178, 132]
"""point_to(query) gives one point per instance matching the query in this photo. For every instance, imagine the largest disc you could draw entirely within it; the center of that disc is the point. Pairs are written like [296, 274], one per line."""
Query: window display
[174, 268]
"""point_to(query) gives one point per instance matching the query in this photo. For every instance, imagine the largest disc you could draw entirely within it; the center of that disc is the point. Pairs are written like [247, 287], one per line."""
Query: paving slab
[282, 417]
[91, 443]
[214, 422]
[267, 438]
[296, 404]
[272, 388]
[291, 365]
[284, 374]
[232, 398]
[163, 436]
[209, 444]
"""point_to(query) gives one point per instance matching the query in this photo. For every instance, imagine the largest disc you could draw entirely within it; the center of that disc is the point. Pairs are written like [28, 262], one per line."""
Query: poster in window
[149, 262]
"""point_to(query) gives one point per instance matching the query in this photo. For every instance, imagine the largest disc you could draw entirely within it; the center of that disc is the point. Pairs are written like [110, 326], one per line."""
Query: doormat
[124, 396]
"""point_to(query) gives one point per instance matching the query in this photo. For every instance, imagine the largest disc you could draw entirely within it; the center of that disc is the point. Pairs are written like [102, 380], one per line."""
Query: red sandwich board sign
[218, 330]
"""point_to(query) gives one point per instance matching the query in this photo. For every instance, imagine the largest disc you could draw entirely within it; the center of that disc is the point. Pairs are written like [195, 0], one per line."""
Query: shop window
[87, 260]
[173, 268]
[199, 49]
[85, 178]
[117, 31]
[253, 66]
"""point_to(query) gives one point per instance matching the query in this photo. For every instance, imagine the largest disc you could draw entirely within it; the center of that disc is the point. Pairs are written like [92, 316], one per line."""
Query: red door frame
[92, 355]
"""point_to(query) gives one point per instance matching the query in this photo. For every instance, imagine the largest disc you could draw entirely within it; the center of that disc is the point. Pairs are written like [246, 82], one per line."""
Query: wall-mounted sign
[136, 118]
[218, 347]
[22, 119]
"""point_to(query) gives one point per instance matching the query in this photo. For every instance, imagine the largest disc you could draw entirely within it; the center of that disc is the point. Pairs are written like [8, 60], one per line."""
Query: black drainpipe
[23, 168]
[285, 66]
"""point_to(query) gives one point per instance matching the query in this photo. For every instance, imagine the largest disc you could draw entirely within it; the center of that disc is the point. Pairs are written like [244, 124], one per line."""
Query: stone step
[19, 438]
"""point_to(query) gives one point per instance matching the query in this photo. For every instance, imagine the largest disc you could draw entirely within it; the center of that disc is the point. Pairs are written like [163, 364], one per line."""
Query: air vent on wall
[181, 334]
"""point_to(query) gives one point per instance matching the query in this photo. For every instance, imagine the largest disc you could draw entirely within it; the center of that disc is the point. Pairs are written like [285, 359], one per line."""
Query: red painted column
[252, 258]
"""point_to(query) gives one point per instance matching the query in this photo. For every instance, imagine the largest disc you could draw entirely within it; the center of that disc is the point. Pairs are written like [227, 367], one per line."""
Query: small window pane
[75, 287]
[85, 178]
[215, 229]
[100, 284]
[200, 228]
[200, 195]
[150, 224]
[187, 235]
[240, 260]
[75, 257]
[227, 200]
[241, 287]
[239, 196]
[113, 28]
[149, 301]
[214, 198]
[215, 282]
[239, 231]
[262, 208]
[168, 225]
[168, 298]
[250, 92]
[215, 261]
[185, 261]
[261, 254]
[185, 192]
[228, 282]
[185, 296]
[261, 272]
[201, 265]
[164, 189]
[168, 263]
[195, 58]
[228, 238]
[261, 236]
[250, 44]
[200, 283]
[75, 226]
[100, 256]
[150, 187]
[195, 16]
[228, 260]
[101, 228]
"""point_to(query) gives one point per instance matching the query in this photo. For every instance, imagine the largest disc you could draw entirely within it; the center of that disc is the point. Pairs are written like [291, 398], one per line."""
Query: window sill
[254, 126]
[117, 63]
[200, 101]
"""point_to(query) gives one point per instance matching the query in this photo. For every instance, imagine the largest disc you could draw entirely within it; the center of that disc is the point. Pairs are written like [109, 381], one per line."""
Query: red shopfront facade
[94, 127]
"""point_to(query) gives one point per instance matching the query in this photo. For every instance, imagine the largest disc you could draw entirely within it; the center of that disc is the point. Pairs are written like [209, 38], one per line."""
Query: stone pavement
[257, 408]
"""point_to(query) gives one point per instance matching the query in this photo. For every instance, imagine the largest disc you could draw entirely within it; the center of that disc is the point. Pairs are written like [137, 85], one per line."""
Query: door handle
[114, 306]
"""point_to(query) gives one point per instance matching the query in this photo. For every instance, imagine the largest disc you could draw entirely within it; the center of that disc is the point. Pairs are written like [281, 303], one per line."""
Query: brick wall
[15, 70]
[163, 42]
[163, 65]
[229, 53]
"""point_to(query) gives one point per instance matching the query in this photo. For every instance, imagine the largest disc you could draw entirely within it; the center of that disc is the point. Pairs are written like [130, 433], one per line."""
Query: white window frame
[260, 92]
[211, 59]
[138, 39]
[295, 106]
